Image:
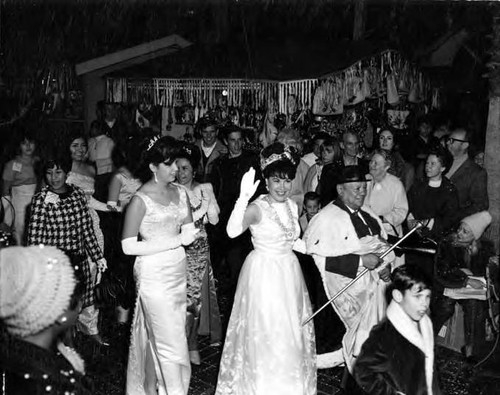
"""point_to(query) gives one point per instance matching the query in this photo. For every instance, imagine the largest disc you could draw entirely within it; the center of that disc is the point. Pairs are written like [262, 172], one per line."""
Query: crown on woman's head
[285, 155]
[152, 141]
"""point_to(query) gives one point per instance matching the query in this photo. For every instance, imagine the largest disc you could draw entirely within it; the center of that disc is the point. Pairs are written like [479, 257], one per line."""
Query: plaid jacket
[63, 222]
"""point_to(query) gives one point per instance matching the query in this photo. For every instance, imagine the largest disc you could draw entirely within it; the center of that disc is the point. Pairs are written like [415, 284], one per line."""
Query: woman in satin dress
[160, 214]
[267, 349]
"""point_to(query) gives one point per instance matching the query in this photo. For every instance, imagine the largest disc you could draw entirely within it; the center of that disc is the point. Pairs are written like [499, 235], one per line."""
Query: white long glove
[132, 246]
[248, 187]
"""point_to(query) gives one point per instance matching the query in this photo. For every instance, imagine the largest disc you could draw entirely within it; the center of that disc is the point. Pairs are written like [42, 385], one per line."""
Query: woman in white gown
[160, 213]
[267, 350]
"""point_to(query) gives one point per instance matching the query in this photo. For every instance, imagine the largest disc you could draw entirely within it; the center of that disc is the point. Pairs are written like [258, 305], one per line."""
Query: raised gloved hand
[248, 187]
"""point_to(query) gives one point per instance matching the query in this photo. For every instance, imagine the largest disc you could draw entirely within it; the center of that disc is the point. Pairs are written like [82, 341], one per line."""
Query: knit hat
[478, 222]
[36, 285]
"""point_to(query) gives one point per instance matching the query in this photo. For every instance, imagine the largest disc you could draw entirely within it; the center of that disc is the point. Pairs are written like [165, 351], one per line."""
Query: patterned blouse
[63, 221]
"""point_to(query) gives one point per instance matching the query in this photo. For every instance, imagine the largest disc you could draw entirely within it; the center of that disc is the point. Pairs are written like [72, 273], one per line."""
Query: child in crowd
[398, 357]
[311, 208]
[39, 302]
[311, 275]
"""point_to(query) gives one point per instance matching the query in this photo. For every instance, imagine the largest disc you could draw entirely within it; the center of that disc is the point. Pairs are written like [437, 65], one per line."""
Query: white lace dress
[267, 350]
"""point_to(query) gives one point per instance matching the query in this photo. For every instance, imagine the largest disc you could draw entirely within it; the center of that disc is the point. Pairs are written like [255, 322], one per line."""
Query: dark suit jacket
[205, 168]
[226, 178]
[471, 183]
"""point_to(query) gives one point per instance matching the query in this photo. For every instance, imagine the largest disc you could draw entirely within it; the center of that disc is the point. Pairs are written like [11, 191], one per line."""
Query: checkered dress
[64, 221]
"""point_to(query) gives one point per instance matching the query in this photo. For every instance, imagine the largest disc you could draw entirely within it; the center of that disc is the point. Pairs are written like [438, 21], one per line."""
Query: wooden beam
[134, 55]
[359, 20]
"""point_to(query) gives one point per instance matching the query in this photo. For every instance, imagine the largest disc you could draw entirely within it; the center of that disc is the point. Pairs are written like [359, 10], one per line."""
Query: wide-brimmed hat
[351, 174]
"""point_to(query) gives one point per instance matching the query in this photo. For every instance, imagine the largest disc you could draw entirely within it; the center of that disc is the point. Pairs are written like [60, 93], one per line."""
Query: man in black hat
[344, 239]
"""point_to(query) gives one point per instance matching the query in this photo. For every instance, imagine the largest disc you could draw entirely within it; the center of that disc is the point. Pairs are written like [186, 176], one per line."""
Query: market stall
[348, 86]
[384, 90]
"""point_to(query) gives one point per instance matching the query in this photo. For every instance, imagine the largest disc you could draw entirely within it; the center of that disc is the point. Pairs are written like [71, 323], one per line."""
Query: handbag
[452, 334]
[110, 289]
[7, 237]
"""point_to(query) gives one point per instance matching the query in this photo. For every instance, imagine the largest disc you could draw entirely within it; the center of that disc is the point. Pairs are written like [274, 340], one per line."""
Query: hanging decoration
[386, 81]
[61, 96]
[386, 74]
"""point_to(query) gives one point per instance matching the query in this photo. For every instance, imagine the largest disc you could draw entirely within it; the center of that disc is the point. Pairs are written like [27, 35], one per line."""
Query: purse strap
[12, 210]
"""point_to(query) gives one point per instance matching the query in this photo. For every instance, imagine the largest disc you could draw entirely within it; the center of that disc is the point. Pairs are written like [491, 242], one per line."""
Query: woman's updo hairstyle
[126, 154]
[156, 150]
[191, 153]
[279, 160]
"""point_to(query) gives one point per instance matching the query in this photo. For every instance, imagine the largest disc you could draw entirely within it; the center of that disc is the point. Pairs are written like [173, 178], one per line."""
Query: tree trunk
[492, 164]
[492, 146]
[359, 20]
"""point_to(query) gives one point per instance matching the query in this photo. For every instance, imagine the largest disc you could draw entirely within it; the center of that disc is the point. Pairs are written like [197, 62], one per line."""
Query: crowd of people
[162, 221]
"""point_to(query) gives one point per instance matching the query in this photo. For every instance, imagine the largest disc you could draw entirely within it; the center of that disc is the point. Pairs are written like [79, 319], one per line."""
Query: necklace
[289, 231]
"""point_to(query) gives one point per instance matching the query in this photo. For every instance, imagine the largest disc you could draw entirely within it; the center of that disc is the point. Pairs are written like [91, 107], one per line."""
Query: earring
[63, 319]
[156, 178]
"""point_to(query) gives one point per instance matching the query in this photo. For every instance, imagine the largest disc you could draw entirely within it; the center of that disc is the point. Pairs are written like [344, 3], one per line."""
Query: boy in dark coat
[398, 357]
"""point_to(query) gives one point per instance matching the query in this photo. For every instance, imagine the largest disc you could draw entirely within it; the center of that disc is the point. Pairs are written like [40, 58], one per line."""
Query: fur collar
[424, 340]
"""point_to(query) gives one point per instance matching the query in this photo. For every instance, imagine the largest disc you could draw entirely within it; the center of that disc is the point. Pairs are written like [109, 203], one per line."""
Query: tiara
[152, 142]
[285, 155]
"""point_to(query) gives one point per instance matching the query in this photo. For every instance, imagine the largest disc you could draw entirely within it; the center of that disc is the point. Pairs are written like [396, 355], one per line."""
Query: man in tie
[345, 238]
